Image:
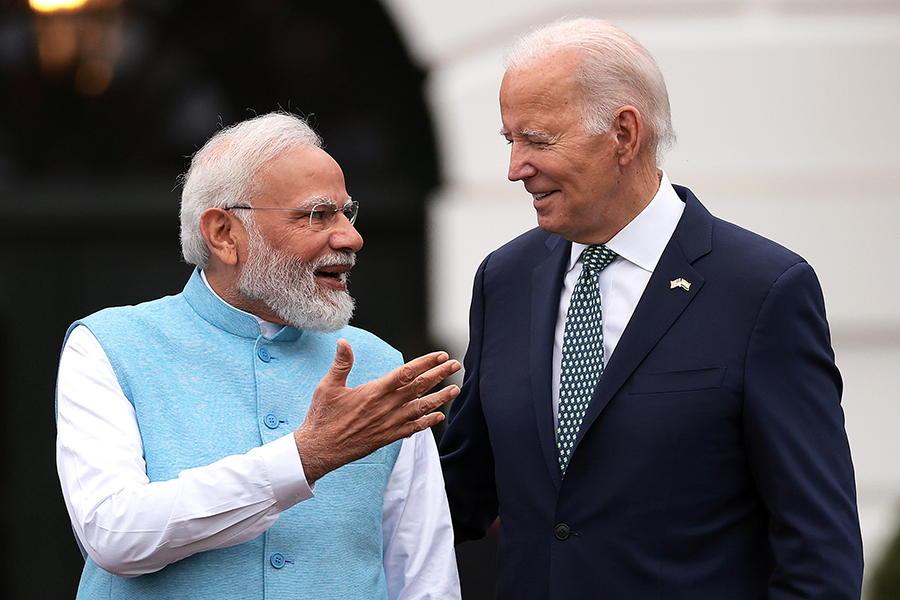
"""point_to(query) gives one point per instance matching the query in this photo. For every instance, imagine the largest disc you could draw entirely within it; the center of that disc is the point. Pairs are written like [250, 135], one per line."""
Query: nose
[519, 165]
[344, 235]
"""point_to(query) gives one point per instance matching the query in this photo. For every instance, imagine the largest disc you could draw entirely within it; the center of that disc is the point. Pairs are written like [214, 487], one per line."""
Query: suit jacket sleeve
[467, 458]
[797, 446]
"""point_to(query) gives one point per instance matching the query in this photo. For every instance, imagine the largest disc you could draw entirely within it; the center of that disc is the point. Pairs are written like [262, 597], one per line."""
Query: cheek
[302, 245]
[553, 167]
[306, 253]
[591, 179]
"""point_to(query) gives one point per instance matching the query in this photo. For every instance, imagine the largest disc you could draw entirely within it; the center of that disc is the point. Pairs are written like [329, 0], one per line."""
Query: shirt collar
[643, 240]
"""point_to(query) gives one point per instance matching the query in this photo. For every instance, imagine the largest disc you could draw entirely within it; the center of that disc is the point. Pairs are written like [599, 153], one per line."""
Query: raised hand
[344, 424]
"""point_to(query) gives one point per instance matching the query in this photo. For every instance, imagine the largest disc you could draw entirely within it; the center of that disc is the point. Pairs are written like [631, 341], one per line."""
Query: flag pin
[680, 283]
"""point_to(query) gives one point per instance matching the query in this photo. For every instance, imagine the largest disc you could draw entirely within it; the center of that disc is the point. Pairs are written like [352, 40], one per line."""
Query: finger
[429, 420]
[425, 405]
[340, 367]
[406, 374]
[432, 377]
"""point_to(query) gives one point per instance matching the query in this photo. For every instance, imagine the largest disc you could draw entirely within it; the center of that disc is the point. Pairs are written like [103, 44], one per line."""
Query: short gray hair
[225, 171]
[615, 70]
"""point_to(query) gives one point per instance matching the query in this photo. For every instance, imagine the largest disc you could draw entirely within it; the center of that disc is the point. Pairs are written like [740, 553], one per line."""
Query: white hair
[615, 70]
[225, 171]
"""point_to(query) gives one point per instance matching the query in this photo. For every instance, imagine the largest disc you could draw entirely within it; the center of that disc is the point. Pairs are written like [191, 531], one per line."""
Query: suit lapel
[546, 285]
[659, 306]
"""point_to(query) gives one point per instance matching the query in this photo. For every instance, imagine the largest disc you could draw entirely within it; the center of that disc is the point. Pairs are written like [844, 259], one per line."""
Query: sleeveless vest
[206, 385]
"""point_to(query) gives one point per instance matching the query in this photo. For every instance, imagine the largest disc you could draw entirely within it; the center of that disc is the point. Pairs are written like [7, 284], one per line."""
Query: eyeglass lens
[323, 216]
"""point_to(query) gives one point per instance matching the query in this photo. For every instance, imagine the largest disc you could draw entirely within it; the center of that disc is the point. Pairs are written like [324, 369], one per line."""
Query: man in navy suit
[710, 460]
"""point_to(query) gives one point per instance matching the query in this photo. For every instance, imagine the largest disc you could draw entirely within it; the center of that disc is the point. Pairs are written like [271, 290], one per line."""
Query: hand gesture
[344, 424]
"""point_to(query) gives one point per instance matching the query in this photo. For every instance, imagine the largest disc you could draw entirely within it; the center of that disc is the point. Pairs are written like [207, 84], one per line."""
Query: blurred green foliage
[885, 582]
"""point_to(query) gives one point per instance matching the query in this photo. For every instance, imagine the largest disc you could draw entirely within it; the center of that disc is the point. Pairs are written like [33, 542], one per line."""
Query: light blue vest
[205, 385]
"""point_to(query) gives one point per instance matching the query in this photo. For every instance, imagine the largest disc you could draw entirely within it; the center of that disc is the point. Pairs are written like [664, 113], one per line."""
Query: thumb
[343, 362]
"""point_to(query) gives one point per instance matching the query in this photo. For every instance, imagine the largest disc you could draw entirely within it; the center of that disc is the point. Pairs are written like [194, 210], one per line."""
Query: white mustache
[335, 260]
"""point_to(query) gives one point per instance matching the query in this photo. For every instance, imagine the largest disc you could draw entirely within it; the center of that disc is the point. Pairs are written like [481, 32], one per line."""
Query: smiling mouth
[336, 278]
[542, 196]
[332, 278]
[330, 274]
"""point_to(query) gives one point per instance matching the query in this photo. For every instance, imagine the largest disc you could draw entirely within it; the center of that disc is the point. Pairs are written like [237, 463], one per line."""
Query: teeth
[330, 274]
[541, 196]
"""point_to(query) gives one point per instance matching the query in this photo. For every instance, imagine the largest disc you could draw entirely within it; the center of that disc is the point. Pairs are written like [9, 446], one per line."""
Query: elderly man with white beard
[239, 440]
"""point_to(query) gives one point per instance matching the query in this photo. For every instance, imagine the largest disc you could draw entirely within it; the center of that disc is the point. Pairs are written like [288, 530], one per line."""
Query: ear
[221, 231]
[629, 129]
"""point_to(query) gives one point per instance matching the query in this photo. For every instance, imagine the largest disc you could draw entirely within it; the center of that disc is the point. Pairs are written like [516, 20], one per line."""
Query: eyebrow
[531, 134]
[316, 200]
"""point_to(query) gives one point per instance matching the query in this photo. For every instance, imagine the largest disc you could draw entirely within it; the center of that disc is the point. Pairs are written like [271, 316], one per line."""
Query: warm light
[54, 5]
[79, 37]
[57, 44]
[93, 78]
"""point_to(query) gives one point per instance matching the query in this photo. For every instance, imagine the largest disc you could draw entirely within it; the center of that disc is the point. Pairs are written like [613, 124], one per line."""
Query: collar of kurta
[226, 317]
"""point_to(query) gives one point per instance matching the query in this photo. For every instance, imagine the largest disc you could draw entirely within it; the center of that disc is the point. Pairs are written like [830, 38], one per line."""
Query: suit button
[271, 421]
[562, 531]
[277, 560]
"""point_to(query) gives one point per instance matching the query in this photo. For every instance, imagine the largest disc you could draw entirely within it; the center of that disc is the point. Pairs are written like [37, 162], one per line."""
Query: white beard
[288, 286]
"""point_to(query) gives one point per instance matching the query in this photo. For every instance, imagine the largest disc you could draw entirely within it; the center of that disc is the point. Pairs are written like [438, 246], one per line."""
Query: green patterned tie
[582, 353]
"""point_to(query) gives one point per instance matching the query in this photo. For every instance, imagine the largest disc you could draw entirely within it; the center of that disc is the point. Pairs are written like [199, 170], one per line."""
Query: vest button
[263, 354]
[271, 421]
[277, 560]
[562, 531]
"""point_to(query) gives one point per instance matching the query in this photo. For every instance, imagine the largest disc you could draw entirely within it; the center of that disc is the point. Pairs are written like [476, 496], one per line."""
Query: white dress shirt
[131, 526]
[639, 246]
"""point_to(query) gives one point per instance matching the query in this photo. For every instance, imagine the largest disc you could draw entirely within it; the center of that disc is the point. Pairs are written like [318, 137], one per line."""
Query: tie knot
[596, 258]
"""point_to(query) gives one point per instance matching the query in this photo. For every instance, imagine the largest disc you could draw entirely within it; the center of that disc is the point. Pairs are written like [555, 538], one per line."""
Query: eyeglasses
[321, 216]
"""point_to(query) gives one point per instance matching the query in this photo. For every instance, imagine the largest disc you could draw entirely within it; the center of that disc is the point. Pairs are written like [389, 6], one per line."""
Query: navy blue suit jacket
[712, 463]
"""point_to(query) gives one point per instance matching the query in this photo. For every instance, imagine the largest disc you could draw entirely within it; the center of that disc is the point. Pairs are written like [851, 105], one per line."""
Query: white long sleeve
[131, 526]
[417, 542]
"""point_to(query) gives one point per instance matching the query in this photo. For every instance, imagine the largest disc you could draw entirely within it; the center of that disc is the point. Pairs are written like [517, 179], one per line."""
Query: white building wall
[787, 123]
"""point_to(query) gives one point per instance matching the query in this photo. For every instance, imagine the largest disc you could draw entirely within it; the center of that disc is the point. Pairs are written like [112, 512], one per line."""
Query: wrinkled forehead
[301, 178]
[554, 77]
[537, 94]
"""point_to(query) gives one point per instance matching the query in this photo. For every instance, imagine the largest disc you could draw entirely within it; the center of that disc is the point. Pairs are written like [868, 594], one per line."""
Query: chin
[548, 226]
[326, 313]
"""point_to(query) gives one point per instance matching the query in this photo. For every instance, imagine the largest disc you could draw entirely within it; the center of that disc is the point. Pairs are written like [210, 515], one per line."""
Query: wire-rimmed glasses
[321, 216]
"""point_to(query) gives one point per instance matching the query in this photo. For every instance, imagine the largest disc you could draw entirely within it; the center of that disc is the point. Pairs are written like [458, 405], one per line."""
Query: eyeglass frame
[350, 210]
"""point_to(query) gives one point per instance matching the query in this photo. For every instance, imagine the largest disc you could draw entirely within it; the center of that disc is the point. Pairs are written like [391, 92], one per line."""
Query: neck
[644, 188]
[637, 188]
